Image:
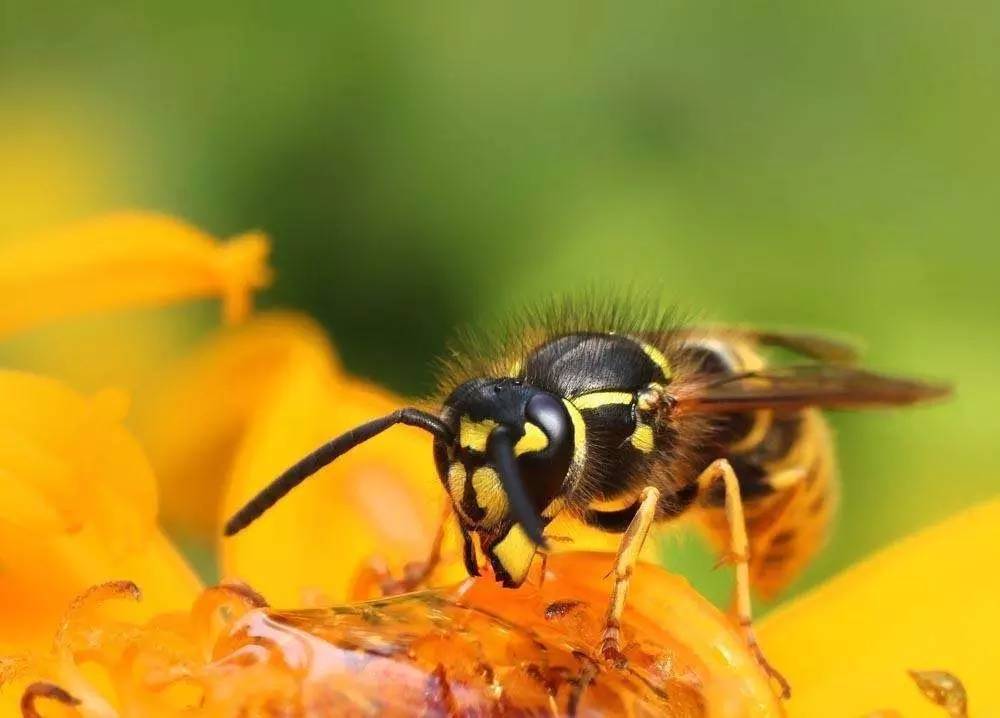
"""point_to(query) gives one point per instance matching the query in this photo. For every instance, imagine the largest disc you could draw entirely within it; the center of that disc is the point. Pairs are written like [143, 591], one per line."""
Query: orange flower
[80, 541]
[77, 506]
[466, 650]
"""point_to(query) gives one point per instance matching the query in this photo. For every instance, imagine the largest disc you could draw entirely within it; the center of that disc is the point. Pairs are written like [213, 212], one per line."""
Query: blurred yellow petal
[199, 415]
[55, 167]
[77, 507]
[382, 499]
[125, 260]
[930, 602]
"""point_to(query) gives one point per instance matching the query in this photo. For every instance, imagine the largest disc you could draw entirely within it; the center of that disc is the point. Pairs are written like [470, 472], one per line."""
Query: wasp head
[506, 466]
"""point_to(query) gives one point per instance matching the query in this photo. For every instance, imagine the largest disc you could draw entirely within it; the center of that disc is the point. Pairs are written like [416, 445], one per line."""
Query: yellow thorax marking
[534, 439]
[472, 435]
[642, 438]
[579, 435]
[515, 553]
[656, 356]
[598, 399]
[490, 495]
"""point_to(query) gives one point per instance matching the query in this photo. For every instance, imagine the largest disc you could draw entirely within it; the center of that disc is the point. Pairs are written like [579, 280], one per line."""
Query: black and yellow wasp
[623, 420]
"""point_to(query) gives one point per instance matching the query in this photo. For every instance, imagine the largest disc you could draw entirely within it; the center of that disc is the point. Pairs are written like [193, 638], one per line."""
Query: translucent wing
[812, 346]
[797, 387]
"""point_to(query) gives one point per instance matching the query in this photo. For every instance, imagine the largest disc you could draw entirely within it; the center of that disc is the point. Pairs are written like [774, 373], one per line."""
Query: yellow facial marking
[598, 399]
[515, 553]
[472, 435]
[656, 356]
[579, 435]
[489, 495]
[534, 439]
[642, 438]
[456, 482]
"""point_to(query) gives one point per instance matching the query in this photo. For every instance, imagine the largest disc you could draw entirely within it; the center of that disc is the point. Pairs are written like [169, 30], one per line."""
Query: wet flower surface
[482, 650]
[474, 649]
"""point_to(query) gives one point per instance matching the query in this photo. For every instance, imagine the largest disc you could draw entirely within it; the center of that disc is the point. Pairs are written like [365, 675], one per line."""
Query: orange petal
[480, 649]
[471, 649]
[382, 499]
[124, 260]
[200, 414]
[928, 602]
[77, 507]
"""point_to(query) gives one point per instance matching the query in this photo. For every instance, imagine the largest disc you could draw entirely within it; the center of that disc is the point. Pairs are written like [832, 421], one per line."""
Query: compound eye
[548, 413]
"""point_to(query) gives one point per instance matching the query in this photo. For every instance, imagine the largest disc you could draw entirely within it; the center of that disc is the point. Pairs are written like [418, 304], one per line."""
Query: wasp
[624, 420]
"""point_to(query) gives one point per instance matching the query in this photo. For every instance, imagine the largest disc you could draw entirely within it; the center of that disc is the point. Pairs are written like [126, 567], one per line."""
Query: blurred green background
[830, 166]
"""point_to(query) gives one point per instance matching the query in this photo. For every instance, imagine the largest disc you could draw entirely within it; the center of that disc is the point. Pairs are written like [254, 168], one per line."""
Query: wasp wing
[814, 346]
[820, 347]
[798, 387]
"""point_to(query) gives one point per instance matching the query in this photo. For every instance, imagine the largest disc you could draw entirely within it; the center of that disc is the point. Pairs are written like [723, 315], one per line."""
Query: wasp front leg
[415, 574]
[625, 561]
[739, 556]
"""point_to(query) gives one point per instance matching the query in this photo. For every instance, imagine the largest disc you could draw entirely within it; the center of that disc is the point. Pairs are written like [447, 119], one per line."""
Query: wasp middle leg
[625, 561]
[739, 555]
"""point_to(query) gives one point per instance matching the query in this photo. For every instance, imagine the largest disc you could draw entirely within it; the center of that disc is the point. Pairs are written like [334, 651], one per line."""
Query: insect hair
[492, 348]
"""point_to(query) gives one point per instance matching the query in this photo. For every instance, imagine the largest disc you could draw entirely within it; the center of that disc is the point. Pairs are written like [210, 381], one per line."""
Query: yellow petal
[199, 416]
[53, 167]
[381, 499]
[124, 260]
[927, 603]
[77, 507]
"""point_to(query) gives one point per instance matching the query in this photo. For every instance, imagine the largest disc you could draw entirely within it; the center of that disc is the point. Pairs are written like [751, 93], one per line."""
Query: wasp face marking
[472, 435]
[533, 441]
[489, 495]
[511, 556]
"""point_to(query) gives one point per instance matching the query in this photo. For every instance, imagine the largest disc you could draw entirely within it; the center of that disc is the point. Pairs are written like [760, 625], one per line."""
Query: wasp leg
[739, 556]
[628, 554]
[415, 573]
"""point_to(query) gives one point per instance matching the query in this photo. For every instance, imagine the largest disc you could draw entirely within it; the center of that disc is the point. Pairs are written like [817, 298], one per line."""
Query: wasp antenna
[309, 465]
[501, 449]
